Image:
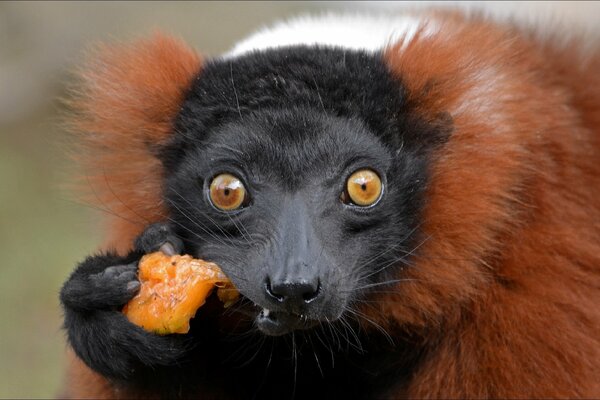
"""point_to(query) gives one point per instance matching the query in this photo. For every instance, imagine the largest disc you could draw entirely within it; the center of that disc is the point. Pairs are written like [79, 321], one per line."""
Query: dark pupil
[363, 186]
[226, 191]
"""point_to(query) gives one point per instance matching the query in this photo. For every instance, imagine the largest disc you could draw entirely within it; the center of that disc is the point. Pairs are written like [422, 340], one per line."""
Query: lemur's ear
[123, 109]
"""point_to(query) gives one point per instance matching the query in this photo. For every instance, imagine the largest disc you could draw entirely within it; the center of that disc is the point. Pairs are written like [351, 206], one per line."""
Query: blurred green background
[43, 231]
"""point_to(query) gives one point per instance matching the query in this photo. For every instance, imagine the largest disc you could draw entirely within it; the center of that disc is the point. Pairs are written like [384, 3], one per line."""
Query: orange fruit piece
[172, 289]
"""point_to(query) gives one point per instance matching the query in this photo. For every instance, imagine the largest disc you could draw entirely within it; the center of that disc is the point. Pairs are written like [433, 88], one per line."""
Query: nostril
[312, 294]
[269, 291]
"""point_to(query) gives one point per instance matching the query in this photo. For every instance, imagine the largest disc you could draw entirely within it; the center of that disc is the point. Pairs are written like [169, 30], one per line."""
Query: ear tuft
[122, 110]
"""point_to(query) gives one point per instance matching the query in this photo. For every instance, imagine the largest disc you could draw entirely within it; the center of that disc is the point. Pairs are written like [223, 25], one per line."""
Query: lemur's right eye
[227, 192]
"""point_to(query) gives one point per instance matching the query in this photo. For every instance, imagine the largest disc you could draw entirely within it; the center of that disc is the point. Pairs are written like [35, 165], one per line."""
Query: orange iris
[227, 192]
[363, 188]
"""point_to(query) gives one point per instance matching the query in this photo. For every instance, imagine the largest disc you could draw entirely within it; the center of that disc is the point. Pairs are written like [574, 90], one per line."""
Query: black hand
[99, 332]
[95, 287]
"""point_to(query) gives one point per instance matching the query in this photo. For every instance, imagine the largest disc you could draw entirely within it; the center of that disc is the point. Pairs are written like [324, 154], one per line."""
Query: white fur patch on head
[355, 32]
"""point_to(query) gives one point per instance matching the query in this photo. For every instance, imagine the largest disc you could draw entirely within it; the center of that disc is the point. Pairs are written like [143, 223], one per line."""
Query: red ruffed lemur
[416, 212]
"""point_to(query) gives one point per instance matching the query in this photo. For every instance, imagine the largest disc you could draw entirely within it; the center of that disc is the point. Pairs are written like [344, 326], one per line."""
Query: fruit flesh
[172, 289]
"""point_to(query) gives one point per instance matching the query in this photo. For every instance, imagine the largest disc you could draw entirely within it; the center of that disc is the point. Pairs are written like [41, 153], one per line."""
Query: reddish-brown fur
[124, 110]
[505, 290]
[510, 274]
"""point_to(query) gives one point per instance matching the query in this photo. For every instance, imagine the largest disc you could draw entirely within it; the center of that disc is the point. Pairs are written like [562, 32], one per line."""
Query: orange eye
[227, 192]
[363, 188]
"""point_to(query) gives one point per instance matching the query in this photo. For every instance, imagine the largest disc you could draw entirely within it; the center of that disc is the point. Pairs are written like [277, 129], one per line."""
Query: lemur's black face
[306, 200]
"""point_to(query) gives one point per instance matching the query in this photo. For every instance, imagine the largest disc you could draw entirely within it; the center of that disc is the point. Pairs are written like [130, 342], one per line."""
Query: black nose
[297, 292]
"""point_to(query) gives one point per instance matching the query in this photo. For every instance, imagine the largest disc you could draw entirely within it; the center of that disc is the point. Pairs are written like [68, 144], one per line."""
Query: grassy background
[43, 232]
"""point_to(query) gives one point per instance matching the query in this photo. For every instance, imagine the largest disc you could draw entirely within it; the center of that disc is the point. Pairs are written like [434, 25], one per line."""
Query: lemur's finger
[115, 271]
[111, 272]
[133, 286]
[159, 237]
[126, 276]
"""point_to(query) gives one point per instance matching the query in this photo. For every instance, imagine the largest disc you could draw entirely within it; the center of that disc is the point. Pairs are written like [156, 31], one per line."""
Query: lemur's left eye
[227, 192]
[363, 188]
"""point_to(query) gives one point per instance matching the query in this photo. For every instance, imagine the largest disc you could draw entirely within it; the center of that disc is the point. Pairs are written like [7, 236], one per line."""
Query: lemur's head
[299, 172]
[326, 182]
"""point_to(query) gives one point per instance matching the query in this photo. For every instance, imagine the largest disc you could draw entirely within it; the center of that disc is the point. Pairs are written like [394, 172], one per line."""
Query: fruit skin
[172, 290]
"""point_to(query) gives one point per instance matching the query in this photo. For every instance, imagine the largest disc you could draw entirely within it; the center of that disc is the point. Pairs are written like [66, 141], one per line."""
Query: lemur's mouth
[274, 322]
[271, 322]
[277, 323]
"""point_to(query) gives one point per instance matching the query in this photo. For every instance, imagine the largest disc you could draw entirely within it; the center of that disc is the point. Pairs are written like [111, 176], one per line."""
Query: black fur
[292, 124]
[99, 333]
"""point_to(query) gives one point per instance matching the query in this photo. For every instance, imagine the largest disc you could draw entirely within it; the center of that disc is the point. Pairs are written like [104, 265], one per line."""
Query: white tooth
[265, 312]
